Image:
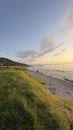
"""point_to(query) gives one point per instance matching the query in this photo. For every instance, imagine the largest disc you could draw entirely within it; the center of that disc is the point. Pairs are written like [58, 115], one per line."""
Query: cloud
[47, 42]
[64, 51]
[67, 22]
[47, 45]
[49, 49]
[26, 54]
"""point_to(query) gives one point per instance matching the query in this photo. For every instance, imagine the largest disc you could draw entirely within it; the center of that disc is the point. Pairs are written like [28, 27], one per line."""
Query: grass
[26, 104]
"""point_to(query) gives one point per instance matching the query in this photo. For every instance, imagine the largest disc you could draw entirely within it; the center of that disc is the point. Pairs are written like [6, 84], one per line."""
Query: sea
[60, 71]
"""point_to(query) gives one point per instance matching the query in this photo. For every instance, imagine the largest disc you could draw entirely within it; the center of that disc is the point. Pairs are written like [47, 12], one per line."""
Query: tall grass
[26, 104]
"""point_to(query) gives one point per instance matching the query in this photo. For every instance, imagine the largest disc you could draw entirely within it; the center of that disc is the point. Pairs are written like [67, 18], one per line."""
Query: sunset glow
[37, 32]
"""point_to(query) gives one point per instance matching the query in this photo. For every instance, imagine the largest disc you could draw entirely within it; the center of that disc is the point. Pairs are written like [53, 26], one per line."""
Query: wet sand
[58, 87]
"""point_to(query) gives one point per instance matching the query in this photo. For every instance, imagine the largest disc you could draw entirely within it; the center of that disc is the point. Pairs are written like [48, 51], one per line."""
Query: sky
[37, 31]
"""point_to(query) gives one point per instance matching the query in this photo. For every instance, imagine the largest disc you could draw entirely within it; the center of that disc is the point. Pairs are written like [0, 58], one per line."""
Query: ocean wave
[58, 71]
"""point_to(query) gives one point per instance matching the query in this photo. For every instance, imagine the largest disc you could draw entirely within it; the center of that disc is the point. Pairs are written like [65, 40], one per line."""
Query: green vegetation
[26, 104]
[8, 62]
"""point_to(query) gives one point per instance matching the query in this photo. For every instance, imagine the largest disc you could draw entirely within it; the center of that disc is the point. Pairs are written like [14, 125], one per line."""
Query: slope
[26, 104]
[8, 62]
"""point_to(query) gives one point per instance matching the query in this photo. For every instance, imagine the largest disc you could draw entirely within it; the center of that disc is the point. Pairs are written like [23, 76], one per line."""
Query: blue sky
[24, 24]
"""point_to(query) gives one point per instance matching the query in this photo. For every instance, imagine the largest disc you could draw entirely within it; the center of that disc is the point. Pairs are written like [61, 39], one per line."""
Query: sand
[58, 87]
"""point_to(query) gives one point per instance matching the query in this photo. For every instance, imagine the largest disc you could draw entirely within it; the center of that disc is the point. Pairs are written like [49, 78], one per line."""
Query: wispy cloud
[26, 54]
[47, 42]
[49, 49]
[47, 45]
[64, 51]
[67, 22]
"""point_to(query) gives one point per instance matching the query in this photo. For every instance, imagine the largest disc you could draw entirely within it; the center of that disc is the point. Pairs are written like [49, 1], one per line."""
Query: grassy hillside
[26, 104]
[8, 62]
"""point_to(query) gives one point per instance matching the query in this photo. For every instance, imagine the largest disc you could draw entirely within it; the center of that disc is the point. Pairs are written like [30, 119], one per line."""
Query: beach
[60, 88]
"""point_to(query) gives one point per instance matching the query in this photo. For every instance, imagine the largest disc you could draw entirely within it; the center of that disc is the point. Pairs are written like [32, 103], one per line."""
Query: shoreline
[58, 87]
